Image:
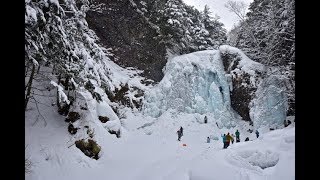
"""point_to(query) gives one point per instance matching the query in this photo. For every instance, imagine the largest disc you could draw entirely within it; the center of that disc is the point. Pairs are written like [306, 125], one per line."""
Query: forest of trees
[140, 33]
[57, 36]
[185, 29]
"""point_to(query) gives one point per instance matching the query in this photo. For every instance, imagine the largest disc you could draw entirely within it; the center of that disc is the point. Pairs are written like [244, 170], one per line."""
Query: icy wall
[200, 83]
[269, 106]
[193, 83]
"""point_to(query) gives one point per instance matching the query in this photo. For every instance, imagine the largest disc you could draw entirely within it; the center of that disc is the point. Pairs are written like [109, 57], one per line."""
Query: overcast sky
[217, 7]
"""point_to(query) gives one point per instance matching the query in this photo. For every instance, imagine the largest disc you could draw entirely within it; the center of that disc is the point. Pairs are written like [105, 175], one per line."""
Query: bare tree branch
[38, 112]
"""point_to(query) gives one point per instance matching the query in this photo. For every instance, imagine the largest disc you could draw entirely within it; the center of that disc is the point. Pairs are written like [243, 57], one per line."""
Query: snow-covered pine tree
[185, 29]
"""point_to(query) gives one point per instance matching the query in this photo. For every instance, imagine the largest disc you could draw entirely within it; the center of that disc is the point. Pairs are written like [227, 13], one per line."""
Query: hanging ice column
[193, 83]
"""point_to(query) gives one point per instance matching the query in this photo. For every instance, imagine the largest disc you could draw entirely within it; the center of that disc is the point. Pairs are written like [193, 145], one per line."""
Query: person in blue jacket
[224, 140]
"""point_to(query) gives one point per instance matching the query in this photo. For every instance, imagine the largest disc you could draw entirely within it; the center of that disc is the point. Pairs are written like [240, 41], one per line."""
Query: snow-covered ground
[149, 150]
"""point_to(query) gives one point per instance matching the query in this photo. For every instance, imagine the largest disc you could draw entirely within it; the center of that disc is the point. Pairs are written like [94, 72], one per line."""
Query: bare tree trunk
[29, 86]
[58, 102]
[38, 69]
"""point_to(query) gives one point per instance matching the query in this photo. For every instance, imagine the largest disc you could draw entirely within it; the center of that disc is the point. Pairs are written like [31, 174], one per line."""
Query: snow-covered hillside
[148, 148]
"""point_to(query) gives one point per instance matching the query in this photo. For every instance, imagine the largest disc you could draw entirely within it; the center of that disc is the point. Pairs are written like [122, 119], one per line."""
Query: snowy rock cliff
[245, 76]
[257, 93]
[224, 82]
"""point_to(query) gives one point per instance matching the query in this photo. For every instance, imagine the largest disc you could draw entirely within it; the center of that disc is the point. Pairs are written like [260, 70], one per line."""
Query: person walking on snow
[180, 133]
[224, 139]
[237, 136]
[181, 130]
[205, 119]
[257, 133]
[208, 140]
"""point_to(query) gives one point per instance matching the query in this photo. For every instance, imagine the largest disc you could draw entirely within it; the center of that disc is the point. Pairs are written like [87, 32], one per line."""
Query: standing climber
[232, 140]
[224, 139]
[257, 133]
[228, 139]
[208, 139]
[237, 136]
[205, 119]
[180, 133]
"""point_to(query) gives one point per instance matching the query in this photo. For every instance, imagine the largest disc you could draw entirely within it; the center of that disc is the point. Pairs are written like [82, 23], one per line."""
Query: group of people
[226, 139]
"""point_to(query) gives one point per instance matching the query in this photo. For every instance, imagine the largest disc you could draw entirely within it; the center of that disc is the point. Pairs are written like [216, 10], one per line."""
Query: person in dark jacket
[257, 133]
[237, 136]
[205, 119]
[179, 134]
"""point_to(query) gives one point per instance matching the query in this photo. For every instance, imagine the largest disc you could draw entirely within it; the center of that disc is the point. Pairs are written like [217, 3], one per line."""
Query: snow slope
[149, 150]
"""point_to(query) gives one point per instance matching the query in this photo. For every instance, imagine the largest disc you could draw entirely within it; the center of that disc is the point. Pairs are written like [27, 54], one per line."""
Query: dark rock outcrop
[72, 117]
[71, 129]
[90, 148]
[103, 119]
[243, 90]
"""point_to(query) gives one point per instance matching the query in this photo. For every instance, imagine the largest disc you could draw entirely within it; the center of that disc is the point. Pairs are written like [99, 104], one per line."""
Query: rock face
[257, 94]
[244, 84]
[121, 27]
